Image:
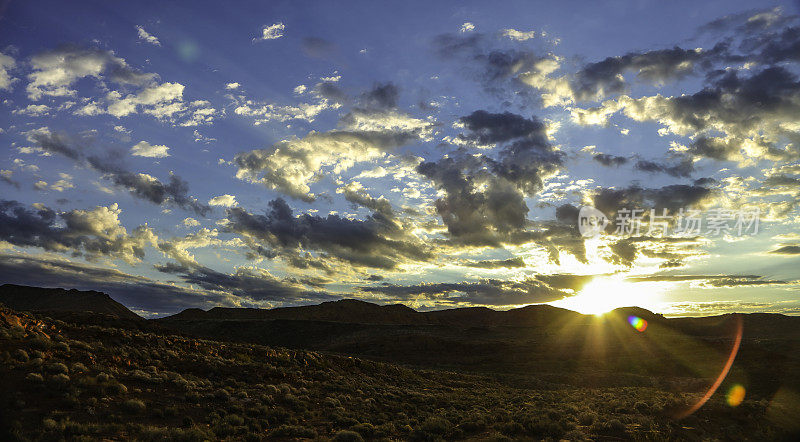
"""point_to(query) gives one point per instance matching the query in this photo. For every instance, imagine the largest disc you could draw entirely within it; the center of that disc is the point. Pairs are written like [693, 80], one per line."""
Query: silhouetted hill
[27, 298]
[354, 311]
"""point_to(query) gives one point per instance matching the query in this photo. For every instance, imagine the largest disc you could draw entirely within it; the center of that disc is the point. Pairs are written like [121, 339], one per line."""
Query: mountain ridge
[39, 299]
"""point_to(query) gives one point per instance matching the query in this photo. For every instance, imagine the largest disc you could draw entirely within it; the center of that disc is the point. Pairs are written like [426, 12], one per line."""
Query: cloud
[7, 63]
[467, 27]
[609, 160]
[484, 201]
[684, 169]
[316, 47]
[54, 72]
[145, 149]
[714, 280]
[516, 35]
[246, 283]
[140, 294]
[493, 292]
[232, 86]
[381, 96]
[223, 200]
[736, 117]
[93, 233]
[271, 32]
[374, 242]
[5, 176]
[510, 263]
[140, 185]
[787, 250]
[290, 166]
[604, 78]
[147, 38]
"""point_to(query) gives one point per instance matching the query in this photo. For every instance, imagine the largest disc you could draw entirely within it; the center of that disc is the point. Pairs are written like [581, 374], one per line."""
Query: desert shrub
[222, 395]
[134, 406]
[586, 418]
[435, 425]
[611, 427]
[57, 368]
[347, 436]
[59, 381]
[365, 429]
[40, 343]
[21, 355]
[294, 431]
[34, 377]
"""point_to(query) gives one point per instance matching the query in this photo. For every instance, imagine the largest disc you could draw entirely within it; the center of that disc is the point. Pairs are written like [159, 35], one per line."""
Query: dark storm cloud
[742, 107]
[483, 292]
[748, 22]
[381, 96]
[623, 252]
[672, 198]
[94, 232]
[714, 280]
[787, 250]
[485, 197]
[139, 185]
[610, 160]
[488, 128]
[135, 292]
[317, 47]
[684, 169]
[381, 206]
[510, 263]
[782, 181]
[253, 284]
[373, 242]
[331, 91]
[497, 68]
[148, 188]
[605, 77]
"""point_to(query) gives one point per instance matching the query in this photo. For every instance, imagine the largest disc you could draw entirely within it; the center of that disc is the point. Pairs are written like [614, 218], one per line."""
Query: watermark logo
[591, 221]
[684, 222]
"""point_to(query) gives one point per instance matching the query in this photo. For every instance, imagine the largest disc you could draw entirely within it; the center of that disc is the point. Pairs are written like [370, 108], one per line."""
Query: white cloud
[54, 72]
[300, 90]
[6, 63]
[223, 200]
[190, 222]
[232, 86]
[518, 35]
[145, 36]
[33, 110]
[145, 149]
[467, 27]
[271, 32]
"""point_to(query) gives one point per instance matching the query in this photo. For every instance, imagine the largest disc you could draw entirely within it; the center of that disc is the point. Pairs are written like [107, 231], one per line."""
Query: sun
[606, 293]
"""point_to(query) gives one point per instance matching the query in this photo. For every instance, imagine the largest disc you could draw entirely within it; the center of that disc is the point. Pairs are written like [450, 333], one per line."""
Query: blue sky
[435, 154]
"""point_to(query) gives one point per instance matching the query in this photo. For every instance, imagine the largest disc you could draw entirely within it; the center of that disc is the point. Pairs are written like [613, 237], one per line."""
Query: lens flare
[735, 395]
[638, 323]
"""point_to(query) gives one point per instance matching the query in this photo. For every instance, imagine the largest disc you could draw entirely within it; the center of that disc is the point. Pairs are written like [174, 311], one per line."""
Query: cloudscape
[592, 156]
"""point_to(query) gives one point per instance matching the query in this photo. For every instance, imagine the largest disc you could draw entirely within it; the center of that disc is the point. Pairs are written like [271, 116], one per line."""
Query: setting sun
[605, 293]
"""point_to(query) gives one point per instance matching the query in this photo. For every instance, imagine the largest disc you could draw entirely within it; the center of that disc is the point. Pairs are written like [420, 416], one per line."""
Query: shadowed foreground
[98, 376]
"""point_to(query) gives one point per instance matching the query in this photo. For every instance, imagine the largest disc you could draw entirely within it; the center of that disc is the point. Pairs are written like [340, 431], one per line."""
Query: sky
[436, 154]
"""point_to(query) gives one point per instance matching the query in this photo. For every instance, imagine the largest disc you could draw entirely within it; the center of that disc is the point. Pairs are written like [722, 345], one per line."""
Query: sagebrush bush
[134, 406]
